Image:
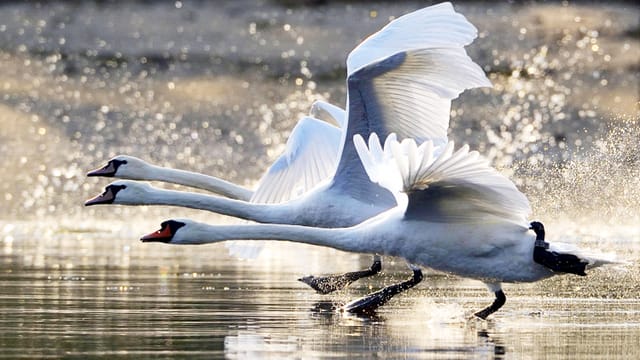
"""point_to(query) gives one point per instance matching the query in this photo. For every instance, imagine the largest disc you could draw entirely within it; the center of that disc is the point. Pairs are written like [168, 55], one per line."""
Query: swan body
[459, 216]
[476, 251]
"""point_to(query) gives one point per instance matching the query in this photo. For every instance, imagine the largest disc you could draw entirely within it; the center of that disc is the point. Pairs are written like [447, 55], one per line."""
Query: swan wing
[380, 165]
[430, 27]
[310, 156]
[443, 185]
[335, 113]
[460, 186]
[402, 80]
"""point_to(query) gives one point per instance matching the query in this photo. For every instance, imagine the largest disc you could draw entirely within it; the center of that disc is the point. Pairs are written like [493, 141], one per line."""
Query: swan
[401, 79]
[131, 167]
[310, 156]
[455, 214]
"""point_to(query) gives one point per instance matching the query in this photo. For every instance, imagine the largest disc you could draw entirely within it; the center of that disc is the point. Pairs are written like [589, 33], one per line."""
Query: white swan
[131, 167]
[401, 79]
[456, 214]
[310, 156]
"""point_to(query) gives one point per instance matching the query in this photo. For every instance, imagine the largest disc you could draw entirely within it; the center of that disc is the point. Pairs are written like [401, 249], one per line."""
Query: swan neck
[266, 213]
[346, 239]
[200, 181]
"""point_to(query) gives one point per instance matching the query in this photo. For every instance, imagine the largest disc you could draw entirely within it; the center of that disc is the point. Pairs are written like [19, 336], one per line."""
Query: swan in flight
[310, 156]
[455, 214]
[401, 79]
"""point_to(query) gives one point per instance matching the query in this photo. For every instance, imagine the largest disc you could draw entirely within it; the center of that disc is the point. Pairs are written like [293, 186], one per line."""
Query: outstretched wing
[310, 156]
[402, 80]
[443, 185]
[435, 26]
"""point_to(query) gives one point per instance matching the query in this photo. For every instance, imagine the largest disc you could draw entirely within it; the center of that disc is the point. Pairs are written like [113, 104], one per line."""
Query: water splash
[599, 184]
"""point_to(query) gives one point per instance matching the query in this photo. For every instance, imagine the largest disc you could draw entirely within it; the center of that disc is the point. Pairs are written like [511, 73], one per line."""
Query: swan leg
[331, 283]
[369, 303]
[495, 306]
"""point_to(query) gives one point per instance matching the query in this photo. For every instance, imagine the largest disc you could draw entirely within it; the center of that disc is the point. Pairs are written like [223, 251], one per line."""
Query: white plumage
[406, 167]
[423, 51]
[455, 218]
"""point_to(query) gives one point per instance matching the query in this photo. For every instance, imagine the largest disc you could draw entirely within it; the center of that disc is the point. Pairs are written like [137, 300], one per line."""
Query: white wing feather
[310, 157]
[402, 80]
[377, 163]
[431, 27]
[337, 114]
[460, 186]
[415, 98]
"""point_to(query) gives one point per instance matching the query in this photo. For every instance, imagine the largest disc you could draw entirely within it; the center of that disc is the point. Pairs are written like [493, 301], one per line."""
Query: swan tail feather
[591, 260]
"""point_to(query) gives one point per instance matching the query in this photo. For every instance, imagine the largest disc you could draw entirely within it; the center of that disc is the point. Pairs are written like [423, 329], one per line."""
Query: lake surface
[87, 294]
[216, 87]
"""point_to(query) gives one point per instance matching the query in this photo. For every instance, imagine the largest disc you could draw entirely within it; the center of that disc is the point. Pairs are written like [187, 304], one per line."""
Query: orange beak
[163, 235]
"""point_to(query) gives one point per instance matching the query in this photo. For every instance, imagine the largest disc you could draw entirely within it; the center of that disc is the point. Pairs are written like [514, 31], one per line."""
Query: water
[217, 89]
[127, 299]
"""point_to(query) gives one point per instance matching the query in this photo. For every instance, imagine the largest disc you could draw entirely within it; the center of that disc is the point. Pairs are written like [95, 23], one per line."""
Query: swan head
[122, 166]
[538, 228]
[168, 233]
[122, 192]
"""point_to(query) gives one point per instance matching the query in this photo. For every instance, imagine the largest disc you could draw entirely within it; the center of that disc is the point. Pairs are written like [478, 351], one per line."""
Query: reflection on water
[190, 302]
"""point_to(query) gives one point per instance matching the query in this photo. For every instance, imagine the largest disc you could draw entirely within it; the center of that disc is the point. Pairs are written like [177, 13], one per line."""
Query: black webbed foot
[331, 283]
[369, 304]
